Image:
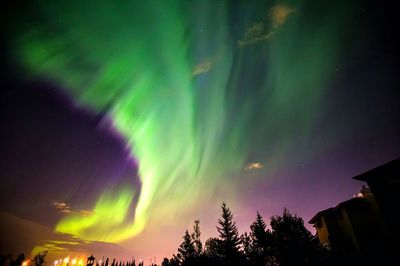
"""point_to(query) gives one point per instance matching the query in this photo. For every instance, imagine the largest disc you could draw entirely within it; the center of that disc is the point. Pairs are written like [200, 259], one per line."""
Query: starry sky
[125, 121]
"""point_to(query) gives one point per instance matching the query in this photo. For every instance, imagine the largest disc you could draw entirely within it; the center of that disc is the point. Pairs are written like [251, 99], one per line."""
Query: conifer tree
[198, 246]
[229, 235]
[186, 250]
[261, 237]
[257, 246]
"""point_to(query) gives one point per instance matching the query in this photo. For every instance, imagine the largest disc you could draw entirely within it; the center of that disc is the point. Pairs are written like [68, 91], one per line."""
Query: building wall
[322, 232]
[353, 230]
[387, 198]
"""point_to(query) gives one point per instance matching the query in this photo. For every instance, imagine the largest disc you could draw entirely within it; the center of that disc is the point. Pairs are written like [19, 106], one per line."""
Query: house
[365, 226]
[349, 229]
[384, 182]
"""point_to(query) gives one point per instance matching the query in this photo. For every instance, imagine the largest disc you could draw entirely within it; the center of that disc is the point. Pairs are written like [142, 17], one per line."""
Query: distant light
[55, 262]
[73, 261]
[80, 262]
[66, 260]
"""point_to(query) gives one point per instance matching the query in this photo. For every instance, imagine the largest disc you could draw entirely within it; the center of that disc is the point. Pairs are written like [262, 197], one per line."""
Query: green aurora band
[192, 104]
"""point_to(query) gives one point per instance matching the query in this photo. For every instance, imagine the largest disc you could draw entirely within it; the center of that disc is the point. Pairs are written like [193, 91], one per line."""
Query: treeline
[118, 263]
[38, 260]
[9, 260]
[285, 242]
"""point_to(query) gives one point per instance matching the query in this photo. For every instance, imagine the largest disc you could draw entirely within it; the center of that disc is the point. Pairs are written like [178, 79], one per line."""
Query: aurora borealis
[212, 100]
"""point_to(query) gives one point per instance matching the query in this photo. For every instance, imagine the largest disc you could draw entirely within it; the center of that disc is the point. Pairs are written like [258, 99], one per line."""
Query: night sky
[124, 122]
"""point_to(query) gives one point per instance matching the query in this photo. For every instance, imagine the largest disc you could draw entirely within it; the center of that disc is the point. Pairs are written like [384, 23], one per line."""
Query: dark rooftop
[357, 201]
[388, 171]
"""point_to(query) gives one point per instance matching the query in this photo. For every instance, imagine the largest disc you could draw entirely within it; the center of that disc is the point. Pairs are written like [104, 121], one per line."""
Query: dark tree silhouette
[261, 240]
[213, 247]
[247, 246]
[39, 259]
[229, 236]
[259, 234]
[174, 261]
[293, 244]
[212, 252]
[186, 251]
[165, 262]
[17, 262]
[287, 243]
[198, 245]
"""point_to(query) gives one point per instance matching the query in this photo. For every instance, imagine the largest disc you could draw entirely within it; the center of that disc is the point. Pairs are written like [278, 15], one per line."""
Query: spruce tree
[260, 235]
[229, 236]
[186, 250]
[260, 241]
[198, 246]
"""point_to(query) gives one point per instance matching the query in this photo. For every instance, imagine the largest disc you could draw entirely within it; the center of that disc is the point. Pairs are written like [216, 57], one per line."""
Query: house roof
[319, 214]
[345, 204]
[387, 171]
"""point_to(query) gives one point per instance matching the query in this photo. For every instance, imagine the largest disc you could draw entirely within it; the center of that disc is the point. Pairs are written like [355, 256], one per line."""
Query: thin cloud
[264, 29]
[203, 67]
[86, 212]
[65, 211]
[62, 207]
[279, 15]
[65, 208]
[253, 166]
